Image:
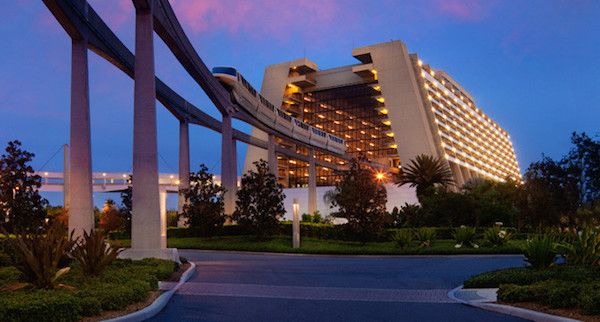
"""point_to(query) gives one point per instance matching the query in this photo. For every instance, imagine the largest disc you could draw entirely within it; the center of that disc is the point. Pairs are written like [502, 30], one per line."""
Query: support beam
[228, 165]
[458, 178]
[184, 163]
[146, 220]
[272, 155]
[81, 212]
[312, 182]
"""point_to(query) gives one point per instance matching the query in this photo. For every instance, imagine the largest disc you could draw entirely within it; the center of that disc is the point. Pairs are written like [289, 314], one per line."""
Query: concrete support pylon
[458, 178]
[81, 211]
[148, 233]
[272, 155]
[228, 165]
[184, 166]
[66, 197]
[312, 182]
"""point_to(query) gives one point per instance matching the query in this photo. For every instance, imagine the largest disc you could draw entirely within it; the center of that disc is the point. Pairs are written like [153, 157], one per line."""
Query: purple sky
[533, 66]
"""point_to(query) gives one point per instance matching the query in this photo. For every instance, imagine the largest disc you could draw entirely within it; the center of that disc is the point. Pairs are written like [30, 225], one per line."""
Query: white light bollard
[296, 224]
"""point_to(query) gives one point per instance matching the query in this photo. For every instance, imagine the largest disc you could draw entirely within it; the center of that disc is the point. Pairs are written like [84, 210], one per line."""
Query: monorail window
[224, 70]
[319, 132]
[283, 115]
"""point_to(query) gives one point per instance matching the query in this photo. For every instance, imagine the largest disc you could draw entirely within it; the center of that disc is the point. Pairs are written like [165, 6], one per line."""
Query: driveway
[230, 286]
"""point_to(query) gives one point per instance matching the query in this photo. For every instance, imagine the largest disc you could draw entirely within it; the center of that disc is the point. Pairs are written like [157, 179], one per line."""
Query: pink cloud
[465, 10]
[276, 18]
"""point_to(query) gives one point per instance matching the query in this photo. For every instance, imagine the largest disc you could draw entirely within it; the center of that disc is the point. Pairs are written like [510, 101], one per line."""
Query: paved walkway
[271, 287]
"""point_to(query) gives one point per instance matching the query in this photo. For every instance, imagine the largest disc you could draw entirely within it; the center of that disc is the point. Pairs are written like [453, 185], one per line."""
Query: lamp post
[296, 224]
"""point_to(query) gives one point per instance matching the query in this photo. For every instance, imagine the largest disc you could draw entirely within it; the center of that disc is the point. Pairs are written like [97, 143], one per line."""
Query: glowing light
[380, 176]
[387, 122]
[381, 99]
[393, 146]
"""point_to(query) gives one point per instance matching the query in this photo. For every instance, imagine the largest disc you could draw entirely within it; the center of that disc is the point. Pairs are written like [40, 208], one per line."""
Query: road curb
[158, 304]
[509, 310]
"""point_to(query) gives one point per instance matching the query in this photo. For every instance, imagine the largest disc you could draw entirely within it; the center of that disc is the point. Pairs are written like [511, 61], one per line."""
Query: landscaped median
[330, 239]
[563, 277]
[123, 283]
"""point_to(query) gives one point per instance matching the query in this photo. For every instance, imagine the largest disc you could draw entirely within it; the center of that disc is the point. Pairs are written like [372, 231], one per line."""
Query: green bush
[122, 283]
[465, 236]
[540, 251]
[9, 275]
[554, 293]
[403, 238]
[425, 236]
[5, 260]
[589, 299]
[584, 249]
[496, 237]
[527, 275]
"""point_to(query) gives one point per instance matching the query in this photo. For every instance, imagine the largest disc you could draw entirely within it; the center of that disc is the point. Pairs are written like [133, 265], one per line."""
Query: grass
[283, 244]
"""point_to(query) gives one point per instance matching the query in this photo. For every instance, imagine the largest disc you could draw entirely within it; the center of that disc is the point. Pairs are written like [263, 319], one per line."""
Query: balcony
[303, 81]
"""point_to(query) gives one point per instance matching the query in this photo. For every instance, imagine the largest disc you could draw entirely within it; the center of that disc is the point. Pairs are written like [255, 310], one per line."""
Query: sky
[532, 66]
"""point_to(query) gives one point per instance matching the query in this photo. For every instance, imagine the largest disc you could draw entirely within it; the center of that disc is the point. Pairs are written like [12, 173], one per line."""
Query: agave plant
[496, 236]
[584, 249]
[403, 238]
[40, 255]
[465, 236]
[540, 251]
[93, 253]
[425, 236]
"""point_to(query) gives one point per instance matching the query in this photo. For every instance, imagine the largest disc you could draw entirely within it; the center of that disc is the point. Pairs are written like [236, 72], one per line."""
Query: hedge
[123, 283]
[315, 230]
[526, 276]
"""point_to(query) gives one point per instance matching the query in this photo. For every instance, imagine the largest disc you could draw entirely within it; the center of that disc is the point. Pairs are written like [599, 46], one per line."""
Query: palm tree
[424, 173]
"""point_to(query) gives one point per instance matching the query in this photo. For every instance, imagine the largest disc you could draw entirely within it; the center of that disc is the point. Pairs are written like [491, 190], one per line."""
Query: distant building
[390, 107]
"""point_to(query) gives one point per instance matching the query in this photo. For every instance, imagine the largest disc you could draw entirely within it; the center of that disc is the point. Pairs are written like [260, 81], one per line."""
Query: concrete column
[163, 218]
[228, 165]
[312, 182]
[146, 219]
[458, 178]
[184, 162]
[81, 212]
[272, 155]
[465, 174]
[66, 198]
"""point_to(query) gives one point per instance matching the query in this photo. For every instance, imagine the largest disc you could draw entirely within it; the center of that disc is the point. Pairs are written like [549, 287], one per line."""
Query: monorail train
[256, 105]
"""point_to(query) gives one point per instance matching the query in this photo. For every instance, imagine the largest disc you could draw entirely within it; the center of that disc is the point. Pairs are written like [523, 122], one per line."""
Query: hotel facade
[390, 107]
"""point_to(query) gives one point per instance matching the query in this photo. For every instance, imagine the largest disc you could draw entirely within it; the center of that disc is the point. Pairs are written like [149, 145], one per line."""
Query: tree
[110, 219]
[424, 173]
[22, 208]
[259, 204]
[361, 199]
[126, 207]
[204, 203]
[494, 201]
[584, 159]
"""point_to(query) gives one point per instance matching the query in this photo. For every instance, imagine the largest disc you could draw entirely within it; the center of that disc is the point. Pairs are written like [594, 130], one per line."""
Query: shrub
[259, 203]
[584, 249]
[5, 260]
[540, 251]
[41, 254]
[496, 237]
[42, 305]
[403, 238]
[306, 218]
[425, 236]
[554, 293]
[589, 299]
[526, 276]
[204, 203]
[93, 253]
[465, 236]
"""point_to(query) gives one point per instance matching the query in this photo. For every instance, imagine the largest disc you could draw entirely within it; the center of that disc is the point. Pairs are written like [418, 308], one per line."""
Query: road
[230, 286]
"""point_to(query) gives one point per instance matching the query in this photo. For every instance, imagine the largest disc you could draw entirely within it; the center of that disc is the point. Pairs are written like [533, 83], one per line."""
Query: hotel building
[390, 107]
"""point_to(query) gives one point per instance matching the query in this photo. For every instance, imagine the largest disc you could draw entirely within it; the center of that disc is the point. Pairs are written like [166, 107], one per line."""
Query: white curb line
[510, 310]
[158, 304]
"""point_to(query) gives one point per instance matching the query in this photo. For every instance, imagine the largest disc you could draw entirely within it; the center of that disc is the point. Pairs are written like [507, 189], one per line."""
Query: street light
[380, 176]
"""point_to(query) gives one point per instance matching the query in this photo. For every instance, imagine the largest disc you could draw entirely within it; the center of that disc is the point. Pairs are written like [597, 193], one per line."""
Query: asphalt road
[272, 287]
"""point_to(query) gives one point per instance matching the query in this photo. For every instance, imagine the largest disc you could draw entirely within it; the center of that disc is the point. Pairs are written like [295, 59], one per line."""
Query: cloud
[463, 10]
[272, 18]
